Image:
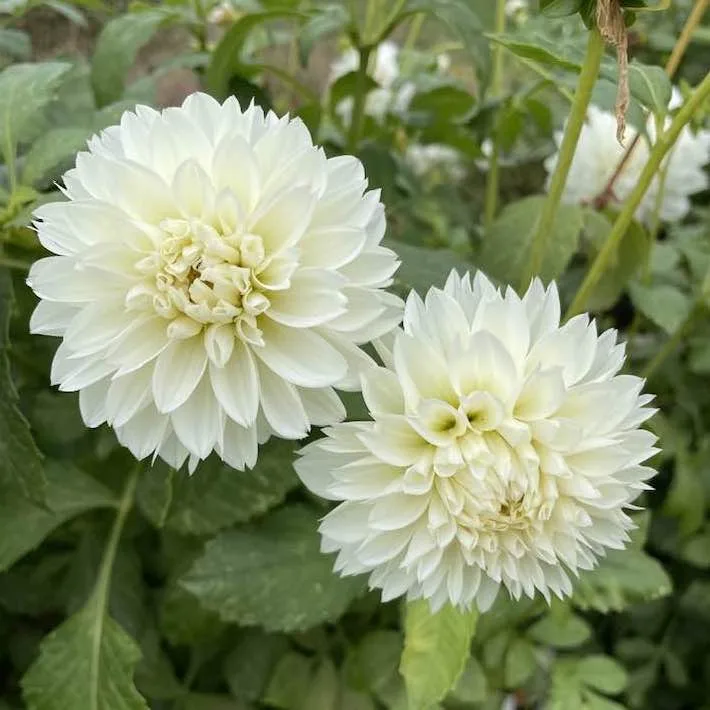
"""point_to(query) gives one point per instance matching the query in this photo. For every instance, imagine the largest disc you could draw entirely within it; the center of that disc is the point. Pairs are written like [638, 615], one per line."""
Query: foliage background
[214, 595]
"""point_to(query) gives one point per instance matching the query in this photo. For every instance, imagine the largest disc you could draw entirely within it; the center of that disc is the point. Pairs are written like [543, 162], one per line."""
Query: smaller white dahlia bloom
[391, 95]
[214, 275]
[598, 154]
[503, 450]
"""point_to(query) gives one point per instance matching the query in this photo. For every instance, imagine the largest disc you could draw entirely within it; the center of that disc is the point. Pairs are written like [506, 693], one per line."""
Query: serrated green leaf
[85, 664]
[602, 673]
[436, 648]
[520, 663]
[505, 252]
[25, 92]
[217, 496]
[623, 577]
[560, 630]
[249, 665]
[289, 683]
[116, 49]
[272, 574]
[665, 305]
[422, 267]
[472, 685]
[50, 152]
[69, 492]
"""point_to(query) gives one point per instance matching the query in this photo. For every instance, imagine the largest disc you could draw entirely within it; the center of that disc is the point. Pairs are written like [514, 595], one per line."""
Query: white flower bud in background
[504, 450]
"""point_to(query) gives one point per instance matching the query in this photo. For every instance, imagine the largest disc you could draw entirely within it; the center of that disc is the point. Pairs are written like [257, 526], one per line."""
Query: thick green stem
[663, 144]
[578, 113]
[492, 183]
[357, 120]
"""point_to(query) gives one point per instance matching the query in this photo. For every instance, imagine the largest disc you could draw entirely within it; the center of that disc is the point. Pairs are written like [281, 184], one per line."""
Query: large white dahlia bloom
[503, 450]
[214, 275]
[598, 154]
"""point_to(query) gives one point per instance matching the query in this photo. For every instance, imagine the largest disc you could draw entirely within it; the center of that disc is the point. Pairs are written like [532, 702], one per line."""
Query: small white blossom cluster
[214, 276]
[393, 96]
[598, 155]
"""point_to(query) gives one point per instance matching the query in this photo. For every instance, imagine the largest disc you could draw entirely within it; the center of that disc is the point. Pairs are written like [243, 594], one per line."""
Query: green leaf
[69, 493]
[696, 550]
[288, 686]
[272, 574]
[15, 44]
[450, 101]
[560, 629]
[25, 92]
[20, 461]
[422, 267]
[371, 664]
[459, 16]
[324, 689]
[50, 152]
[630, 256]
[602, 673]
[184, 622]
[520, 663]
[209, 701]
[472, 686]
[436, 648]
[227, 57]
[116, 49]
[328, 18]
[623, 578]
[665, 305]
[686, 498]
[216, 496]
[650, 85]
[249, 665]
[560, 8]
[85, 664]
[506, 248]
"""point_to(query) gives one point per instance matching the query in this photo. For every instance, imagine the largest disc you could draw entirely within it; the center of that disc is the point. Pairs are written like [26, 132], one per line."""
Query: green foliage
[436, 646]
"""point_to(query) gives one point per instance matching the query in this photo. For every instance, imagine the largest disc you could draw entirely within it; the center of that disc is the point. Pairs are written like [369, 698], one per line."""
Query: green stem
[493, 180]
[663, 144]
[100, 596]
[357, 120]
[672, 343]
[578, 112]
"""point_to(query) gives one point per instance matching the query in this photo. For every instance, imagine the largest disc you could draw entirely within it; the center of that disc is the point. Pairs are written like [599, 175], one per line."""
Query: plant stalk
[663, 144]
[493, 181]
[578, 113]
[357, 120]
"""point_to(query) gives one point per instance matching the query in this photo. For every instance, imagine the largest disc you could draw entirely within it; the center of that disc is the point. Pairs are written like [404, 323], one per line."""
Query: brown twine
[610, 21]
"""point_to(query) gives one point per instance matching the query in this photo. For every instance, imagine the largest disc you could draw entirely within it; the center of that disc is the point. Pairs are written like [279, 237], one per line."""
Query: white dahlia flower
[430, 158]
[214, 275]
[598, 154]
[503, 450]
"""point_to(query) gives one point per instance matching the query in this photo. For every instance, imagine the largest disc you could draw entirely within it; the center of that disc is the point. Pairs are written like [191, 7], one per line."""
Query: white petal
[236, 385]
[178, 369]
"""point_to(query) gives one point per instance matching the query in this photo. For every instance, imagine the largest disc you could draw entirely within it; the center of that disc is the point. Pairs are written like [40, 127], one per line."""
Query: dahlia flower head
[598, 154]
[504, 450]
[214, 275]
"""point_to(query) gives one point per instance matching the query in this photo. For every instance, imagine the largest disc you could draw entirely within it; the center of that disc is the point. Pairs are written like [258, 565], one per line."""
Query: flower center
[199, 277]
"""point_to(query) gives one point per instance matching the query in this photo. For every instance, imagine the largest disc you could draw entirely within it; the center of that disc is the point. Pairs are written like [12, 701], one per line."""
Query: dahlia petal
[282, 405]
[197, 422]
[236, 385]
[178, 370]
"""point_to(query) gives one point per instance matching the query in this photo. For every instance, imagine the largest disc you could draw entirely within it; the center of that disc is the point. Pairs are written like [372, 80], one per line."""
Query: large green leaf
[423, 267]
[85, 664]
[623, 578]
[116, 50]
[25, 91]
[20, 460]
[51, 151]
[436, 648]
[561, 629]
[666, 305]
[69, 492]
[505, 252]
[272, 574]
[217, 496]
